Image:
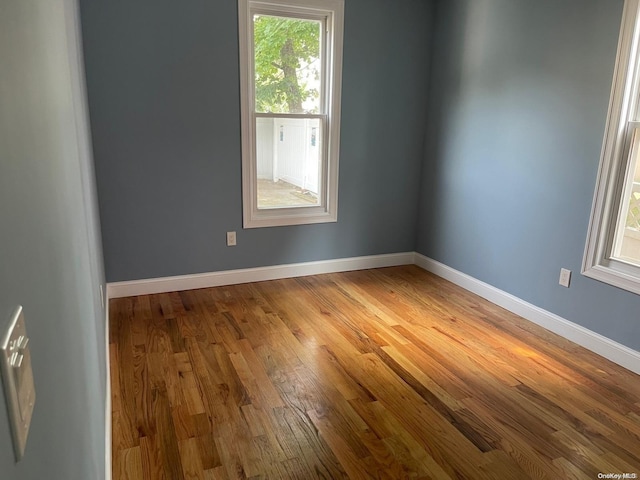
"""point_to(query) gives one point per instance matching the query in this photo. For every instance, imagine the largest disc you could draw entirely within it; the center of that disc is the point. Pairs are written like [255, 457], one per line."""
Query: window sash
[302, 14]
[322, 175]
[626, 184]
[599, 262]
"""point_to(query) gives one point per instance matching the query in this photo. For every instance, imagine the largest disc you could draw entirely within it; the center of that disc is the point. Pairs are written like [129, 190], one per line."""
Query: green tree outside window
[286, 64]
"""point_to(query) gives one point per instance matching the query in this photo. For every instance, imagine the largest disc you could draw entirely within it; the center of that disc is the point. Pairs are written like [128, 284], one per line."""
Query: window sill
[285, 217]
[617, 277]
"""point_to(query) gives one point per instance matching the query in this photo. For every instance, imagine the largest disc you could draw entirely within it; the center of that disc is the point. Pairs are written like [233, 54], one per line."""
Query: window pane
[287, 64]
[288, 152]
[628, 235]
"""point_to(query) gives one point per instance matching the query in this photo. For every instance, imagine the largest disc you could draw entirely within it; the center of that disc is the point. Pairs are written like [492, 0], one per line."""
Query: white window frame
[331, 12]
[624, 108]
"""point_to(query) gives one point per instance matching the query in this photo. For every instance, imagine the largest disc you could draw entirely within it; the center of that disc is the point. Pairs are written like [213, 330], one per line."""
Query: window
[290, 72]
[612, 253]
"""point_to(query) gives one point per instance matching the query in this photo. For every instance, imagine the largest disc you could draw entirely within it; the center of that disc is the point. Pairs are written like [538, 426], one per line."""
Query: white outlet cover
[565, 277]
[231, 239]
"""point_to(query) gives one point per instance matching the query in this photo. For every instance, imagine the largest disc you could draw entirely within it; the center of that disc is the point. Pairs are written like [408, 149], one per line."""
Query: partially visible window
[626, 245]
[612, 253]
[290, 68]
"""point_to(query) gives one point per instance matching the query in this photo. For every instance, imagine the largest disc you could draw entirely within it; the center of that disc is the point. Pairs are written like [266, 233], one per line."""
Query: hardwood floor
[389, 373]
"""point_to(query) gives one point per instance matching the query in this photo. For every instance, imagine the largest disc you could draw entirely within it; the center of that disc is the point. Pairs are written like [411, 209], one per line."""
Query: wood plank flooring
[390, 373]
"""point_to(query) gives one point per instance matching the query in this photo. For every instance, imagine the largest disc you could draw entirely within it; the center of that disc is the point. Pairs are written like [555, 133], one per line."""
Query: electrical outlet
[565, 277]
[231, 239]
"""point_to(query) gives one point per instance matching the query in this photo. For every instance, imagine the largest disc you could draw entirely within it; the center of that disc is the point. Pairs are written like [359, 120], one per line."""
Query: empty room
[297, 239]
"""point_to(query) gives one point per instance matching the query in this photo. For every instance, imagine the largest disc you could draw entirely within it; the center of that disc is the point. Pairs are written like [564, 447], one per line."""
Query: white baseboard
[107, 403]
[616, 352]
[232, 277]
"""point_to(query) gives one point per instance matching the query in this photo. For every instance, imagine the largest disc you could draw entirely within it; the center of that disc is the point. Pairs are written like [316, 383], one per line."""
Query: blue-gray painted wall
[518, 101]
[50, 258]
[165, 113]
[471, 133]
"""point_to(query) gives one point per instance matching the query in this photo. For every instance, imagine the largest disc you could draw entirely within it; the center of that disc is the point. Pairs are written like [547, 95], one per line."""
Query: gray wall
[49, 243]
[165, 113]
[513, 109]
[518, 102]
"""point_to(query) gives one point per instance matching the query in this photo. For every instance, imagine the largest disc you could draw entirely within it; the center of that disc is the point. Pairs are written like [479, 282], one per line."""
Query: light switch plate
[17, 377]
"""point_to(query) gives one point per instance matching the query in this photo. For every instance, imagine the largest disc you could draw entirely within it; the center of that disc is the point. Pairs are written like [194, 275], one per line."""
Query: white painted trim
[107, 404]
[623, 108]
[232, 277]
[617, 353]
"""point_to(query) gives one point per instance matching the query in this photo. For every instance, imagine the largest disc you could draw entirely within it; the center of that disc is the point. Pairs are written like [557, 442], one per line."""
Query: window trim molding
[328, 210]
[597, 263]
